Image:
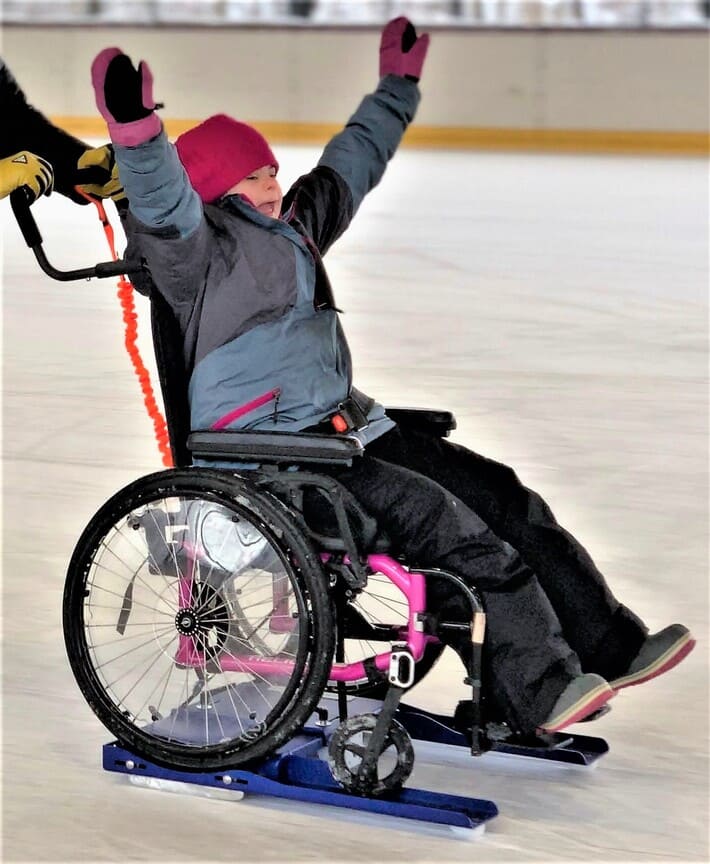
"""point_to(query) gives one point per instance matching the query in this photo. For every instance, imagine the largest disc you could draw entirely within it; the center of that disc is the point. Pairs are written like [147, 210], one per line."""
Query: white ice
[558, 305]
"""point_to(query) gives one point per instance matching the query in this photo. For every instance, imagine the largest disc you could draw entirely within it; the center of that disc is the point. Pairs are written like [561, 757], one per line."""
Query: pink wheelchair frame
[394, 662]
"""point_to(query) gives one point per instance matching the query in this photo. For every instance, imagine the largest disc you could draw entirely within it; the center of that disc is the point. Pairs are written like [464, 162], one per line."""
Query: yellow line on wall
[461, 137]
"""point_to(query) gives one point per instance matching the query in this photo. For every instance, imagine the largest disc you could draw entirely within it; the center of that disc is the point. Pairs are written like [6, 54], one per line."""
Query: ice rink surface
[558, 305]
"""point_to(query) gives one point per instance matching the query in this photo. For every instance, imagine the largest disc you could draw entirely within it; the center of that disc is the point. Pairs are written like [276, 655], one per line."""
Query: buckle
[349, 417]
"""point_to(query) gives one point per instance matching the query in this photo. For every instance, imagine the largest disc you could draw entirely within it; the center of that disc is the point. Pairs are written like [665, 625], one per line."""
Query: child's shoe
[659, 653]
[582, 696]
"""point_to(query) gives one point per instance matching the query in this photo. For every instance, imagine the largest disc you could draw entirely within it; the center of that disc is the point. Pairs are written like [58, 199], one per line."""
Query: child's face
[262, 189]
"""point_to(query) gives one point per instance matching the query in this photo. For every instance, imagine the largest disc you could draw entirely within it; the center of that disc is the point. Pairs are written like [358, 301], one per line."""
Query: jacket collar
[237, 205]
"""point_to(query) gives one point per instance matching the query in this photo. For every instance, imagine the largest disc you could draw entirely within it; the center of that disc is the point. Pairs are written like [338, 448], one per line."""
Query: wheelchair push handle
[28, 226]
[21, 208]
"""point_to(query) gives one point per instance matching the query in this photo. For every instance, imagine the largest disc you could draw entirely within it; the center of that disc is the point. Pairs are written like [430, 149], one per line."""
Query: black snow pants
[550, 614]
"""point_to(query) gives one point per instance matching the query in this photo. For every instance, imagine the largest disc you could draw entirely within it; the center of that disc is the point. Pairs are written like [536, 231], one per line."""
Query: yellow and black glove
[26, 171]
[97, 174]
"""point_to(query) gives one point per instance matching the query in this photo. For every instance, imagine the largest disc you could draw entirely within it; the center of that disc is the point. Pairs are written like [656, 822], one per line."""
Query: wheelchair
[207, 618]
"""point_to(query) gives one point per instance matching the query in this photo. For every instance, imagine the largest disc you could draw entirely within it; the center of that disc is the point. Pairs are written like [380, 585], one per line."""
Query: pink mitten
[401, 52]
[124, 97]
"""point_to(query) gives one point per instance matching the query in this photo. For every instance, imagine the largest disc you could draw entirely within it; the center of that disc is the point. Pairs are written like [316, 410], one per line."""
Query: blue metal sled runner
[297, 771]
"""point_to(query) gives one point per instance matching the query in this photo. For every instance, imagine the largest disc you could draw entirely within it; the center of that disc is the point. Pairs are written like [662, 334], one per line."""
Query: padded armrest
[275, 447]
[438, 423]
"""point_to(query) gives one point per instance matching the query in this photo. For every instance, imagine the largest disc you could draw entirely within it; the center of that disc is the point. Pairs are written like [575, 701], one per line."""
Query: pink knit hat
[221, 152]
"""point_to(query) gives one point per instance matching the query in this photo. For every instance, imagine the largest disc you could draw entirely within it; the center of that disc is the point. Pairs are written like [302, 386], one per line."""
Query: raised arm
[166, 218]
[354, 161]
[159, 193]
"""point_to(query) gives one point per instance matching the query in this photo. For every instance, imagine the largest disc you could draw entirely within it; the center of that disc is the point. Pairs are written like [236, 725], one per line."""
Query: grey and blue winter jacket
[250, 292]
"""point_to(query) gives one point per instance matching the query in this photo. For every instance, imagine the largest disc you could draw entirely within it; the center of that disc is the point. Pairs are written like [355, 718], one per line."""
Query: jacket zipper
[247, 407]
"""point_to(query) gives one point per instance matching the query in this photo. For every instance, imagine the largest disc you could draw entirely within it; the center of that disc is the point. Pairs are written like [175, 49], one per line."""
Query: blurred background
[560, 75]
[465, 13]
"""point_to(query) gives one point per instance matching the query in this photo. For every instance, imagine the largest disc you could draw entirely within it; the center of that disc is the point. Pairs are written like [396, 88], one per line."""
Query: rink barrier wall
[550, 90]
[458, 138]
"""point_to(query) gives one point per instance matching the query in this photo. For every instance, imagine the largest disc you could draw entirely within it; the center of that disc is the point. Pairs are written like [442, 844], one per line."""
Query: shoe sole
[672, 657]
[596, 715]
[590, 703]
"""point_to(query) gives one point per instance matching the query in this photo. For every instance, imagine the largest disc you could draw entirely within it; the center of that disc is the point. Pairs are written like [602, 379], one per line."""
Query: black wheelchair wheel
[197, 620]
[370, 620]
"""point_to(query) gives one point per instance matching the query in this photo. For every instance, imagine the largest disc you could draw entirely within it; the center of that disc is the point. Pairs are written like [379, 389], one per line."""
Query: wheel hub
[205, 620]
[187, 622]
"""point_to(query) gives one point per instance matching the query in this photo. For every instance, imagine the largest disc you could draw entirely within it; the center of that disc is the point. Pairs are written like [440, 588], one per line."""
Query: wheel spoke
[124, 653]
[94, 587]
[165, 689]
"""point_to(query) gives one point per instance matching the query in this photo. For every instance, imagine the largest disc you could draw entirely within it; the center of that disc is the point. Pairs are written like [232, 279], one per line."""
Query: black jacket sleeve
[25, 128]
[353, 162]
[322, 204]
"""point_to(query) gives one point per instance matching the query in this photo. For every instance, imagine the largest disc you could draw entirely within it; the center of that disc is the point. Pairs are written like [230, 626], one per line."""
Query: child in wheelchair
[239, 265]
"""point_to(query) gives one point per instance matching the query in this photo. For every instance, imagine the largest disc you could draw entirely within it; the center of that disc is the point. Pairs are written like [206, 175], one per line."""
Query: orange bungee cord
[130, 320]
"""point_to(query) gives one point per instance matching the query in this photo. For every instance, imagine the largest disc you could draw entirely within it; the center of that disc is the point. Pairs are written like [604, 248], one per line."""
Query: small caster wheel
[346, 752]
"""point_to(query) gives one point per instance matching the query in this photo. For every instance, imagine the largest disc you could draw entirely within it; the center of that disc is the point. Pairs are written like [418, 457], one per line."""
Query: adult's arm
[26, 128]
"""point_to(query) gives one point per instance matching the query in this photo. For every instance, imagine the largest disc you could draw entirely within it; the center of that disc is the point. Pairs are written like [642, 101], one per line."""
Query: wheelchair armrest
[438, 423]
[275, 447]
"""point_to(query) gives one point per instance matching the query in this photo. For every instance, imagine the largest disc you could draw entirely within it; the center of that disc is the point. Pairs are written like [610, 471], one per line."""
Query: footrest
[558, 747]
